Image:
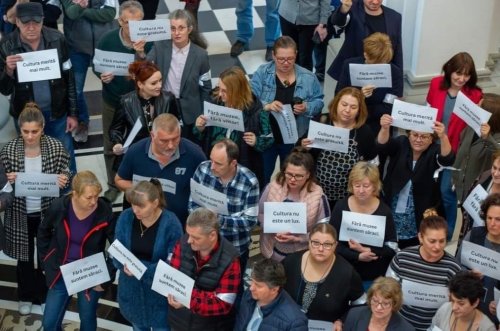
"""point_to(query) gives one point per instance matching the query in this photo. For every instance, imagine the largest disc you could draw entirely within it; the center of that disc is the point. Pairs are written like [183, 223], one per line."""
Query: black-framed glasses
[283, 60]
[317, 244]
[294, 176]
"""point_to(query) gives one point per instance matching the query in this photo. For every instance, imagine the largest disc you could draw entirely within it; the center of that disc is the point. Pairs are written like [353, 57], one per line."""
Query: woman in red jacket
[459, 74]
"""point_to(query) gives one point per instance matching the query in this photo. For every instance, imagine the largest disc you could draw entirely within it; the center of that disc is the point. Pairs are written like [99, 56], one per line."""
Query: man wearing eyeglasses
[223, 174]
[113, 87]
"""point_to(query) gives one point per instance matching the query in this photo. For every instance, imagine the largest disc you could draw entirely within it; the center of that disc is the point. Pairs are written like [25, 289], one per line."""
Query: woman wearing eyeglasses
[283, 82]
[323, 283]
[409, 184]
[384, 300]
[364, 186]
[294, 183]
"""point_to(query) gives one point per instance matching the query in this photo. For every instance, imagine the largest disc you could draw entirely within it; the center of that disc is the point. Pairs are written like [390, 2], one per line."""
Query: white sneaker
[81, 134]
[25, 307]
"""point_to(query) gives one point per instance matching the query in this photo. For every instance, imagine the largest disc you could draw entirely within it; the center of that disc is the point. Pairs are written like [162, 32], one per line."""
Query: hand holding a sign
[492, 307]
[368, 90]
[299, 107]
[127, 271]
[174, 303]
[365, 253]
[250, 138]
[11, 63]
[11, 177]
[118, 149]
[107, 77]
[306, 142]
[139, 46]
[287, 238]
[62, 180]
[485, 130]
[274, 106]
[201, 122]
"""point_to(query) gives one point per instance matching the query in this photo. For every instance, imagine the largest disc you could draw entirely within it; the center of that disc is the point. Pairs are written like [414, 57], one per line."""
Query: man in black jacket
[55, 97]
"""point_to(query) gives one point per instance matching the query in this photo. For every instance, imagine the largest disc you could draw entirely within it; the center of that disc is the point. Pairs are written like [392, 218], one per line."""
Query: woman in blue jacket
[150, 233]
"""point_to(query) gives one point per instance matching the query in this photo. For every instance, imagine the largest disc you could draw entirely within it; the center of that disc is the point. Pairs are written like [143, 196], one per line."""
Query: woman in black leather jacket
[145, 103]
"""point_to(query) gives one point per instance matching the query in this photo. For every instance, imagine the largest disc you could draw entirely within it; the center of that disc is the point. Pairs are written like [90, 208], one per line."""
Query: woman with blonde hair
[347, 110]
[74, 227]
[377, 49]
[370, 261]
[234, 91]
[384, 299]
[31, 153]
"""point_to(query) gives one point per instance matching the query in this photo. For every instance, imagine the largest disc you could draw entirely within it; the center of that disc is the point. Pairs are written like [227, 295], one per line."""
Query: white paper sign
[125, 257]
[114, 62]
[285, 217]
[487, 261]
[209, 198]
[38, 65]
[435, 328]
[168, 280]
[317, 325]
[423, 295]
[85, 273]
[133, 133]
[370, 74]
[328, 137]
[363, 228]
[223, 117]
[167, 185]
[409, 116]
[470, 113]
[287, 124]
[150, 30]
[473, 204]
[33, 184]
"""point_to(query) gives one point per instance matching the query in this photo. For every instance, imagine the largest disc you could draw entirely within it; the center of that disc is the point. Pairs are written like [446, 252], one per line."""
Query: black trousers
[31, 285]
[302, 35]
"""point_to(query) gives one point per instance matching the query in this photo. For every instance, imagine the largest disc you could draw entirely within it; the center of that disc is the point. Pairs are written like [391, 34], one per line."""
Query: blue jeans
[244, 22]
[450, 202]
[57, 302]
[269, 157]
[80, 63]
[56, 128]
[140, 328]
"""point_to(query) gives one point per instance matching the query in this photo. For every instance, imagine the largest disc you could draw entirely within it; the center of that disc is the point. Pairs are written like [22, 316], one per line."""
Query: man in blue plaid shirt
[223, 174]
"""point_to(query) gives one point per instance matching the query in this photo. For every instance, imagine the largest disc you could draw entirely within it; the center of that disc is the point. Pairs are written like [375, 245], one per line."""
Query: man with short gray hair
[113, 87]
[212, 262]
[167, 157]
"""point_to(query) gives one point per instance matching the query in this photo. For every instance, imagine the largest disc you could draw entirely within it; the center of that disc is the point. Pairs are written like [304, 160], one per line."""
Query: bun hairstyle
[31, 113]
[432, 221]
[140, 71]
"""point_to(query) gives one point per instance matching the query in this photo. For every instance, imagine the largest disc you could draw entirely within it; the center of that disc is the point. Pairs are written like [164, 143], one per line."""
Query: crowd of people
[195, 193]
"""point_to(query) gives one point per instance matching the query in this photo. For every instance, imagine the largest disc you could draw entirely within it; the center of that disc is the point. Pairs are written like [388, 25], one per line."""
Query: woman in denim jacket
[282, 82]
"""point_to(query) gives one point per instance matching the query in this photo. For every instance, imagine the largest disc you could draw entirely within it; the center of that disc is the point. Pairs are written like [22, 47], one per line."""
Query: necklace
[469, 327]
[146, 228]
[324, 273]
[143, 231]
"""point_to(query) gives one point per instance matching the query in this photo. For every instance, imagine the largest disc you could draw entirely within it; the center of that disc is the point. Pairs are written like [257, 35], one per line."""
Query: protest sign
[35, 184]
[38, 65]
[409, 116]
[209, 198]
[85, 273]
[328, 137]
[283, 217]
[125, 257]
[363, 228]
[168, 280]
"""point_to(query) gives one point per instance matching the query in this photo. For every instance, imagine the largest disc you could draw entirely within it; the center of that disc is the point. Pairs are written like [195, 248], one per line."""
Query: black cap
[30, 11]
